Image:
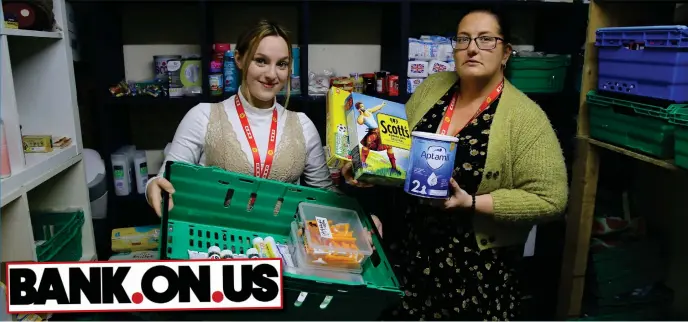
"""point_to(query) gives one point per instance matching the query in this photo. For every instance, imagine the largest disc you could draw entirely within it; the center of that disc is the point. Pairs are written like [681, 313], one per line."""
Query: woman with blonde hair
[250, 133]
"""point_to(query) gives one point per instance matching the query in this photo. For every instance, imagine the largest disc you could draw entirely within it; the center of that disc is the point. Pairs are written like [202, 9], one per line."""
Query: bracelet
[472, 203]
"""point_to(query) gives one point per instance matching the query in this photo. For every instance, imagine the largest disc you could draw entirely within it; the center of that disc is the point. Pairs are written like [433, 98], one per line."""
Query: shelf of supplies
[39, 168]
[155, 101]
[667, 164]
[399, 98]
[31, 33]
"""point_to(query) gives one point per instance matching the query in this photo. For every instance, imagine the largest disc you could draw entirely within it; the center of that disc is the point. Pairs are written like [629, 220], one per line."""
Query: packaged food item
[259, 245]
[369, 84]
[135, 238]
[345, 83]
[214, 252]
[393, 85]
[379, 139]
[337, 137]
[270, 247]
[37, 143]
[431, 165]
[285, 254]
[252, 253]
[197, 255]
[331, 238]
[226, 254]
[300, 266]
[139, 255]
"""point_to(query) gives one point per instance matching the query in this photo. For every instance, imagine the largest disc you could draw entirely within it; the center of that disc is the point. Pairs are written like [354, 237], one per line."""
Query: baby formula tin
[431, 163]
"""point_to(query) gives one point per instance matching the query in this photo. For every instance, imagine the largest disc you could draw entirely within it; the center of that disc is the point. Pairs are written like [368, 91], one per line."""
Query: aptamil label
[430, 167]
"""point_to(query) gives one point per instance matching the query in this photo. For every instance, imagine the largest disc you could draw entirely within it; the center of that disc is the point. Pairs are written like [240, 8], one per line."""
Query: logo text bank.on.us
[168, 285]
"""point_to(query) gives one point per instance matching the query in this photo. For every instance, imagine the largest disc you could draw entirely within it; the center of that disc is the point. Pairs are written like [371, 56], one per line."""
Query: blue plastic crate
[644, 61]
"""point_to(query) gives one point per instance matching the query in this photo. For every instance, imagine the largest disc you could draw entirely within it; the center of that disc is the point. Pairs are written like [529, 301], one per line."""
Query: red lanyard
[258, 170]
[446, 121]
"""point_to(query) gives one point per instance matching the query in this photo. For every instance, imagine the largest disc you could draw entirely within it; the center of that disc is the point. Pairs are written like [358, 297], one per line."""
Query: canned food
[393, 85]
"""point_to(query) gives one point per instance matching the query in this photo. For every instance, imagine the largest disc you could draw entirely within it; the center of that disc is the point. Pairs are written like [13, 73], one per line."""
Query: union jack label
[417, 68]
[439, 68]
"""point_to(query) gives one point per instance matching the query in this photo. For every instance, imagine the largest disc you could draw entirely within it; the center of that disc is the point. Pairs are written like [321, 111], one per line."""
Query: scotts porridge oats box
[336, 136]
[379, 139]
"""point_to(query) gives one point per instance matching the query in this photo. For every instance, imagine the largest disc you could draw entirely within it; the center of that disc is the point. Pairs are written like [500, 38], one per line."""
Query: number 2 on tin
[416, 185]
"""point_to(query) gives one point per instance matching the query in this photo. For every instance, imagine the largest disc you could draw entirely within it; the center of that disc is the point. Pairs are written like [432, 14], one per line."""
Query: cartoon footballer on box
[379, 139]
[372, 139]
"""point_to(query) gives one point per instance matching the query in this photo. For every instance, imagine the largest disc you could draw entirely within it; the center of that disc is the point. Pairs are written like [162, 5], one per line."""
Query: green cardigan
[524, 171]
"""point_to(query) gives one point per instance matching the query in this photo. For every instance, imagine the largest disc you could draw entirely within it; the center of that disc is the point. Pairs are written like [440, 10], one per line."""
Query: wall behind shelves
[343, 47]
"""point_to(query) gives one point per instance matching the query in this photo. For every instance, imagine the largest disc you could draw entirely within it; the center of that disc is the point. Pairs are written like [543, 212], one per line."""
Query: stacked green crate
[637, 126]
[679, 116]
[59, 234]
[538, 74]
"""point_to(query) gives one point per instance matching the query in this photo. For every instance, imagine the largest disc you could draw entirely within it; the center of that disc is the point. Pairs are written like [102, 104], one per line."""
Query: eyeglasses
[483, 42]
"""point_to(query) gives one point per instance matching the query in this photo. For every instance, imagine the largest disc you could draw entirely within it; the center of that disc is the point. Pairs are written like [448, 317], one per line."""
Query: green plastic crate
[679, 116]
[636, 126]
[545, 74]
[61, 233]
[201, 213]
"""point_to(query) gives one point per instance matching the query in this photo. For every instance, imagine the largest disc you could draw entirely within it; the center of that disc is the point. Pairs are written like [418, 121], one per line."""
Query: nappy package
[139, 255]
[132, 239]
[428, 55]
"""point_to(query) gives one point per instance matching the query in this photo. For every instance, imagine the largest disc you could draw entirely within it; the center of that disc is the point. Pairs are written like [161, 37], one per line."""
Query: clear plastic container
[332, 237]
[302, 267]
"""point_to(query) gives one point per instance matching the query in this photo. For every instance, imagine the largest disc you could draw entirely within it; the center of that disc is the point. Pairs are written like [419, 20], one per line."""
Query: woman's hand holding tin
[458, 199]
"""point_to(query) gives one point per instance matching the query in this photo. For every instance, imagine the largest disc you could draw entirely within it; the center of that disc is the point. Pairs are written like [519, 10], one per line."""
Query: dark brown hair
[248, 43]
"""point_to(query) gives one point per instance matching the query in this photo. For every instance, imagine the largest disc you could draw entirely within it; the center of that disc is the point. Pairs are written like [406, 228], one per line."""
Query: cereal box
[336, 135]
[379, 139]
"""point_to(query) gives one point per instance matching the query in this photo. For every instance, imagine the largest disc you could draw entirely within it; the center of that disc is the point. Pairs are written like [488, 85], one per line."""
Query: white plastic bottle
[141, 171]
[120, 173]
[5, 170]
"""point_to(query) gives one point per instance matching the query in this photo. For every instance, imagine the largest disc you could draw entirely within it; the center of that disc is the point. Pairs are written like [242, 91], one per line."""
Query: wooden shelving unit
[38, 97]
[607, 13]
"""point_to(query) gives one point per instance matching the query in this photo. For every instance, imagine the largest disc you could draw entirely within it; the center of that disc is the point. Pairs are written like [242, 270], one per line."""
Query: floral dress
[444, 274]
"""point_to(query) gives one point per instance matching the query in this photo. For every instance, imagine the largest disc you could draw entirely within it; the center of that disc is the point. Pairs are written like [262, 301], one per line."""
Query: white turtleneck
[188, 144]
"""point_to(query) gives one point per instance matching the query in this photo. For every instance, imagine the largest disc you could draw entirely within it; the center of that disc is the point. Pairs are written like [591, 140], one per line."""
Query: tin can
[368, 83]
[216, 83]
[393, 85]
[380, 82]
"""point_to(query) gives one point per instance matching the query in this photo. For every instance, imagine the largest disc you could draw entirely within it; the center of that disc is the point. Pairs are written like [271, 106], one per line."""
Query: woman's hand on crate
[378, 225]
[154, 193]
[348, 173]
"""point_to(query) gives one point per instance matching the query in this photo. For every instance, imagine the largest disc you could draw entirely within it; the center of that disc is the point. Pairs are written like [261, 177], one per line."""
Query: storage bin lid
[94, 165]
[95, 174]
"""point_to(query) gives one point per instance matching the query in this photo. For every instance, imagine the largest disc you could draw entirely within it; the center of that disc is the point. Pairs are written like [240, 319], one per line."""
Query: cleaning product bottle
[141, 171]
[231, 75]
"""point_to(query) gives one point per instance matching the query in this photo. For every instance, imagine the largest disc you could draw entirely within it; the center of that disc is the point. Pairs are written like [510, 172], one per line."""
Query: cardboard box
[379, 139]
[336, 135]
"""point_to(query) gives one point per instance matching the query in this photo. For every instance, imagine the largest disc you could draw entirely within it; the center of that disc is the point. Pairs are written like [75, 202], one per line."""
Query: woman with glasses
[457, 257]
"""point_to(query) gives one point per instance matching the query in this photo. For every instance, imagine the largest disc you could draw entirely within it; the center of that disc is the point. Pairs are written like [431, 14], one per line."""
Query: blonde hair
[248, 43]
